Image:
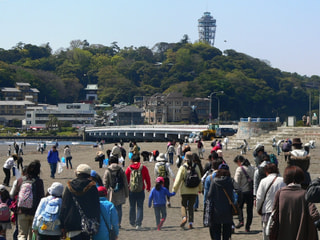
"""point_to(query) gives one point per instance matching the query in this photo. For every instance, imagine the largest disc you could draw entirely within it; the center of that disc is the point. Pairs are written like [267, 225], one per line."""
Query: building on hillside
[78, 114]
[91, 92]
[207, 28]
[21, 92]
[128, 115]
[173, 107]
[13, 112]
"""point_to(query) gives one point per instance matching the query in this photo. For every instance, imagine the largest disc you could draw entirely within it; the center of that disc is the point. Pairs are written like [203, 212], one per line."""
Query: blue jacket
[207, 183]
[53, 156]
[108, 214]
[159, 197]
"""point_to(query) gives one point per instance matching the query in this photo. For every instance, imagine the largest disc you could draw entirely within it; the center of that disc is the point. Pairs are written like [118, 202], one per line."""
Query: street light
[210, 97]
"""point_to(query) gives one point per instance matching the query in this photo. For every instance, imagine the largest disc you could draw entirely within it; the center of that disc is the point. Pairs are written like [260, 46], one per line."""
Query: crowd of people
[90, 206]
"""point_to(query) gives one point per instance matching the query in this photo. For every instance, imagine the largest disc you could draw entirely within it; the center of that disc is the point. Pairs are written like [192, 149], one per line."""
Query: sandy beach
[171, 229]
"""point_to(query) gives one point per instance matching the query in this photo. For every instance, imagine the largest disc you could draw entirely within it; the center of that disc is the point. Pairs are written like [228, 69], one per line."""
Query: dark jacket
[313, 191]
[220, 207]
[87, 196]
[294, 216]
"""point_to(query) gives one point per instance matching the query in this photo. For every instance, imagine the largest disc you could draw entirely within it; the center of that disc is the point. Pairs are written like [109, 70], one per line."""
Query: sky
[284, 32]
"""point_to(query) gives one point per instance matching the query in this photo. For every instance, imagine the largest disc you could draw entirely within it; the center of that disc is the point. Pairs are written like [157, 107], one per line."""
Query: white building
[79, 114]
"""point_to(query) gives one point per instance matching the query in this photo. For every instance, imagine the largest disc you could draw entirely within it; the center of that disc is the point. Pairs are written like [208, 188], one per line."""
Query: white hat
[161, 158]
[56, 189]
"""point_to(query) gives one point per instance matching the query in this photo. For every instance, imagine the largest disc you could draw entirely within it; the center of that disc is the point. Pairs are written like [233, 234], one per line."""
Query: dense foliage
[251, 86]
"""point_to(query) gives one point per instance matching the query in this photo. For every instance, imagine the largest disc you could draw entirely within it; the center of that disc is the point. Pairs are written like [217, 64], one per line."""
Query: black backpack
[116, 182]
[192, 178]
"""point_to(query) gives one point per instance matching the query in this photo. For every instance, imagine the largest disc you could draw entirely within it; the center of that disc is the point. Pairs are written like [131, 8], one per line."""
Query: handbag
[235, 209]
[88, 225]
[112, 232]
[264, 199]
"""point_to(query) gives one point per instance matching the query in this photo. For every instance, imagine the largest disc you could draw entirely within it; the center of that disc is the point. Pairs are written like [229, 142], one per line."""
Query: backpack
[25, 195]
[49, 218]
[200, 144]
[116, 182]
[162, 170]
[136, 180]
[4, 211]
[192, 178]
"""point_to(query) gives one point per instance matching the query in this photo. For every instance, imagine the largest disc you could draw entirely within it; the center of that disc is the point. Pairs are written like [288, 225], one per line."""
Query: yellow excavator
[210, 132]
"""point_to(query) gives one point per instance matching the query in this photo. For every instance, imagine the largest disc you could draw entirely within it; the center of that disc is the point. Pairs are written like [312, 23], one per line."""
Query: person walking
[221, 190]
[46, 223]
[265, 194]
[188, 193]
[67, 156]
[53, 159]
[28, 203]
[162, 169]
[108, 217]
[138, 180]
[80, 192]
[7, 166]
[158, 196]
[293, 216]
[200, 148]
[243, 177]
[115, 181]
[171, 152]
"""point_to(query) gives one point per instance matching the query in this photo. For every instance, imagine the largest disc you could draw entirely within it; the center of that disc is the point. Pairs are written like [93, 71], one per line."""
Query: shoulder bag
[112, 232]
[235, 209]
[88, 225]
[264, 199]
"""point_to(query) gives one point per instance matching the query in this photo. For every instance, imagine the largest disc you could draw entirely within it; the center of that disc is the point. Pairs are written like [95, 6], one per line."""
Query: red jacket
[145, 175]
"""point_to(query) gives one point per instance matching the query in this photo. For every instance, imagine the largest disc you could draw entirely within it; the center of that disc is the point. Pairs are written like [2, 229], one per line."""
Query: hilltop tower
[207, 28]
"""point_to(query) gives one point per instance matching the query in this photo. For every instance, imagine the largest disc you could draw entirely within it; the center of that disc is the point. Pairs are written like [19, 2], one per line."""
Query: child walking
[158, 197]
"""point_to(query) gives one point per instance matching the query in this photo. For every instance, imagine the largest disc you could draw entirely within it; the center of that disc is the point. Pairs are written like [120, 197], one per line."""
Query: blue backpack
[48, 219]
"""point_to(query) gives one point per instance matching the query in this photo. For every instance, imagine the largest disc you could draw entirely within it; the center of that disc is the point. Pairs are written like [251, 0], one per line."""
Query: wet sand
[171, 229]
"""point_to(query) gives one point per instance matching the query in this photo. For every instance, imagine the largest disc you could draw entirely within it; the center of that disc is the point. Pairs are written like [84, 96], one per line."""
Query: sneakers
[191, 226]
[168, 204]
[240, 224]
[161, 223]
[183, 222]
[247, 229]
[138, 227]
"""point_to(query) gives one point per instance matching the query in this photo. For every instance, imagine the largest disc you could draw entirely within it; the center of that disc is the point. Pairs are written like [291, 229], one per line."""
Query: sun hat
[83, 169]
[161, 158]
[56, 189]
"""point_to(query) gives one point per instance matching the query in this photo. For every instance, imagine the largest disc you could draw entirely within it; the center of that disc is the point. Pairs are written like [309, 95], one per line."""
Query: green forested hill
[251, 87]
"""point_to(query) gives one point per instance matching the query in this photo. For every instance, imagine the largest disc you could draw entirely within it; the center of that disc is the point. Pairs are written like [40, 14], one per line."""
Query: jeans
[215, 231]
[196, 204]
[170, 157]
[119, 211]
[247, 198]
[187, 202]
[68, 161]
[160, 213]
[53, 167]
[7, 177]
[136, 200]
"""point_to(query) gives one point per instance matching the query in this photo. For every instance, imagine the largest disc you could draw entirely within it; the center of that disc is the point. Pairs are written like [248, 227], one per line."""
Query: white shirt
[261, 192]
[9, 163]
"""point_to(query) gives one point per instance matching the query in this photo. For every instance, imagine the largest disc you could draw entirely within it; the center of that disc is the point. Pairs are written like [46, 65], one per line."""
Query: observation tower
[207, 28]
